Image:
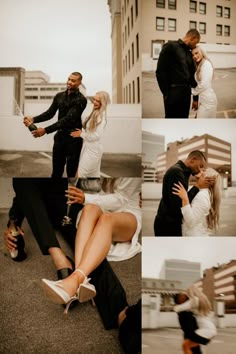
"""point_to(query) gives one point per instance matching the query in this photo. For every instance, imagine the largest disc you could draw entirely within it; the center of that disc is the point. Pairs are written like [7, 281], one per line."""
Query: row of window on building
[133, 10]
[129, 58]
[193, 8]
[45, 88]
[131, 92]
[172, 24]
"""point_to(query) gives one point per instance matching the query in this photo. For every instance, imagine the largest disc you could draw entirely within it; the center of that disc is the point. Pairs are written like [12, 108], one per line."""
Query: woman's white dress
[126, 198]
[207, 97]
[195, 215]
[92, 151]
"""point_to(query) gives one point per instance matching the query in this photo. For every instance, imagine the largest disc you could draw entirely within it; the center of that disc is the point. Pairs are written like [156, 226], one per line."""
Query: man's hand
[10, 241]
[75, 195]
[27, 121]
[195, 105]
[38, 132]
[76, 133]
[205, 183]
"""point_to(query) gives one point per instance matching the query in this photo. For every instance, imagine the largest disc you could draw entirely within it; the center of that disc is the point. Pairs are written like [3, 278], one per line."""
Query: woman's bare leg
[88, 220]
[110, 227]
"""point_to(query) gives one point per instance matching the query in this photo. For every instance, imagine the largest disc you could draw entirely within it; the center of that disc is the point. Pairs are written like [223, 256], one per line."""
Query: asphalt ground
[30, 324]
[168, 341]
[227, 225]
[39, 164]
[224, 84]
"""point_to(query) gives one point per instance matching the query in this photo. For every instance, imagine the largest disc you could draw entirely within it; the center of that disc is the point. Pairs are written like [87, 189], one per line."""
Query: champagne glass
[72, 181]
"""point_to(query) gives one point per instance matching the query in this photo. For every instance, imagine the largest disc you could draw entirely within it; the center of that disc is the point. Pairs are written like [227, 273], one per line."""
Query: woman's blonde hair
[97, 115]
[199, 65]
[215, 198]
[204, 305]
[108, 184]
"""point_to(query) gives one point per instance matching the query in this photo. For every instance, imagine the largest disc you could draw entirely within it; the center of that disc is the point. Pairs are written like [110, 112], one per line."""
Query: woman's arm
[196, 211]
[188, 305]
[206, 78]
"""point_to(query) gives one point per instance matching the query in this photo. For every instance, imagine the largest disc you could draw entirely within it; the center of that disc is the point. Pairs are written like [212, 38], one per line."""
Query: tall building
[217, 152]
[220, 282]
[185, 271]
[126, 58]
[170, 19]
[152, 146]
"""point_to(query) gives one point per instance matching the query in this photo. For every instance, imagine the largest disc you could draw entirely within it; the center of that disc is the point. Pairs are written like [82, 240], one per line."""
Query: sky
[224, 129]
[58, 37]
[206, 250]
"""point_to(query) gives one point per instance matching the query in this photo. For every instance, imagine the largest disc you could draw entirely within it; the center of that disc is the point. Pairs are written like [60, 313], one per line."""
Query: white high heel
[55, 292]
[86, 291]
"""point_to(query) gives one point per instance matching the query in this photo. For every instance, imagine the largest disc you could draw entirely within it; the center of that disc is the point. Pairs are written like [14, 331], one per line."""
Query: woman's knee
[91, 209]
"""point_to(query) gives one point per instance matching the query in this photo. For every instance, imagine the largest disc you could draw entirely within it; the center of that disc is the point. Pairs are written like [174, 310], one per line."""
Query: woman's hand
[179, 190]
[76, 133]
[75, 195]
[9, 240]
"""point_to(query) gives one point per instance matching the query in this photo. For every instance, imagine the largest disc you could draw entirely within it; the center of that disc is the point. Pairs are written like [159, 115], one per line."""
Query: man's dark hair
[199, 155]
[76, 73]
[193, 33]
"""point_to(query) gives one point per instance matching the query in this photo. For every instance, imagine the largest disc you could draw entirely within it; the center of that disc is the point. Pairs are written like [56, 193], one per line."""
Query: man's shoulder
[80, 96]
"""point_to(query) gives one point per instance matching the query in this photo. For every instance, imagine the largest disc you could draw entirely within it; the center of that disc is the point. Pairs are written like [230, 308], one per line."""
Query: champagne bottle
[18, 254]
[32, 127]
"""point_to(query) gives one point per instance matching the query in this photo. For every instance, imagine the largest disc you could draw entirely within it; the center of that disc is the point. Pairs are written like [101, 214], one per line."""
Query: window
[227, 12]
[129, 59]
[31, 97]
[132, 53]
[137, 46]
[133, 89]
[138, 90]
[172, 4]
[202, 8]
[160, 23]
[227, 31]
[31, 89]
[171, 25]
[219, 11]
[156, 48]
[219, 30]
[202, 27]
[193, 6]
[160, 3]
[192, 25]
[129, 93]
[128, 27]
[136, 8]
[132, 16]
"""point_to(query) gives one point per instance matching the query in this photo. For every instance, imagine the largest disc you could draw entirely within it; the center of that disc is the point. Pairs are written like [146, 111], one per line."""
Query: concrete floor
[168, 341]
[224, 84]
[39, 164]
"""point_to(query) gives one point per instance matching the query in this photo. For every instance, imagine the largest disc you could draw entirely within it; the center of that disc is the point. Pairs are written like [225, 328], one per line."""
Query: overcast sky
[209, 251]
[58, 37]
[173, 130]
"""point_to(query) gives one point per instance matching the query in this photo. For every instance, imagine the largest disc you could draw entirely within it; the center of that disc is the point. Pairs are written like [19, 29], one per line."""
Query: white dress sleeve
[199, 208]
[93, 136]
[189, 305]
[109, 202]
[206, 78]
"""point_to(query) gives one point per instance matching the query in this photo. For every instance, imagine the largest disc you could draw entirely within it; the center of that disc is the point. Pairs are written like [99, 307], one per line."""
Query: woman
[108, 226]
[203, 76]
[202, 214]
[197, 302]
[93, 126]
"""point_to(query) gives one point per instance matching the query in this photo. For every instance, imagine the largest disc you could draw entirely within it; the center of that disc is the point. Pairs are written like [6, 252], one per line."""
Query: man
[175, 75]
[169, 218]
[70, 105]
